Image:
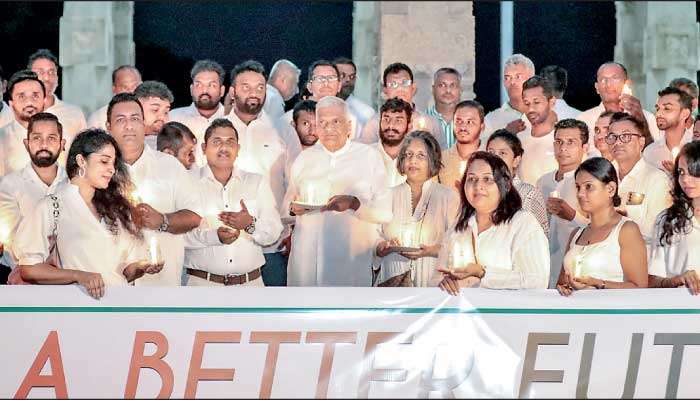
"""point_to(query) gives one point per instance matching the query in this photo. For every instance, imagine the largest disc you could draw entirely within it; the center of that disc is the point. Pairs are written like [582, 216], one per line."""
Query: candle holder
[409, 239]
[461, 251]
[313, 196]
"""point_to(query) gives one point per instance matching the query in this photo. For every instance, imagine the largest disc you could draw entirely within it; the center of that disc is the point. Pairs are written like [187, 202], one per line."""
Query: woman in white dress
[608, 253]
[423, 211]
[98, 241]
[495, 243]
[675, 249]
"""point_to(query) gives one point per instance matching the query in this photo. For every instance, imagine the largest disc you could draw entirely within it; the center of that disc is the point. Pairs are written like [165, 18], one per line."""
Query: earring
[81, 172]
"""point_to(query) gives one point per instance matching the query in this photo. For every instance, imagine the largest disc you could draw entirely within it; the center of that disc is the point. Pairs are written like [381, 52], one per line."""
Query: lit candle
[408, 234]
[554, 194]
[461, 251]
[674, 153]
[136, 197]
[462, 167]
[154, 251]
[310, 194]
[421, 123]
[627, 89]
[4, 233]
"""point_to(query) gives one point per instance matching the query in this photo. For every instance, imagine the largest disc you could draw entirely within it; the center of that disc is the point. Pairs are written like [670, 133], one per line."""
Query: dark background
[170, 36]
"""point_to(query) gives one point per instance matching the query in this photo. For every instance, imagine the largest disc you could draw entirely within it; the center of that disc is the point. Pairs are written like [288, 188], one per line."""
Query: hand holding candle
[155, 256]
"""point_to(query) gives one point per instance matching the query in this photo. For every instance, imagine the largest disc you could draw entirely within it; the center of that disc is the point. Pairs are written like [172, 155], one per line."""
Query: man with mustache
[241, 204]
[447, 92]
[156, 99]
[207, 89]
[6, 115]
[347, 71]
[261, 149]
[394, 123]
[673, 108]
[178, 140]
[22, 190]
[27, 94]
[468, 122]
[125, 79]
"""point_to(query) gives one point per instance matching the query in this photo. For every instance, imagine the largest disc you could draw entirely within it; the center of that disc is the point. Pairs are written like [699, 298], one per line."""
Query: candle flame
[627, 89]
[421, 123]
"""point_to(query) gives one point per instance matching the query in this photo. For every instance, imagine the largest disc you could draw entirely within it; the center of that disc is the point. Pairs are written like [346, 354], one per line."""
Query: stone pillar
[656, 41]
[424, 35]
[95, 37]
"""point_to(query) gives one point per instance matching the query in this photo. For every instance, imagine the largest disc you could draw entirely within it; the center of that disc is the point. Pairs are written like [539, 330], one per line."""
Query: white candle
[4, 233]
[310, 194]
[554, 194]
[421, 123]
[674, 153]
[154, 251]
[408, 234]
[627, 89]
[462, 167]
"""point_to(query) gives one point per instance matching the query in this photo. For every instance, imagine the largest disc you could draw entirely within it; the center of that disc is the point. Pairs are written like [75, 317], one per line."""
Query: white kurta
[13, 154]
[331, 248]
[659, 151]
[245, 254]
[498, 119]
[190, 117]
[98, 118]
[683, 254]
[72, 119]
[515, 253]
[6, 114]
[591, 115]
[435, 213]
[84, 243]
[274, 103]
[20, 192]
[164, 184]
[538, 158]
[394, 178]
[419, 121]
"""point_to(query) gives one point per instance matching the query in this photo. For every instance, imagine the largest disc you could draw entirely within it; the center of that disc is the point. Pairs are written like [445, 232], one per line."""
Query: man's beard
[346, 91]
[308, 140]
[391, 142]
[43, 161]
[249, 108]
[206, 103]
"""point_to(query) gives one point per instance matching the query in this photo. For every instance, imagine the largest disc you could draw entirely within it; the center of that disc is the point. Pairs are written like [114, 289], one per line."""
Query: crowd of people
[235, 190]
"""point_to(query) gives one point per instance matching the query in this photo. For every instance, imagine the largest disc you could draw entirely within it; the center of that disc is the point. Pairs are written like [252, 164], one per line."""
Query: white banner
[347, 342]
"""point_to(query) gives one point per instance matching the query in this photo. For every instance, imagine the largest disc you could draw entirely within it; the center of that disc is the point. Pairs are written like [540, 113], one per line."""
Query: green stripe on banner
[312, 310]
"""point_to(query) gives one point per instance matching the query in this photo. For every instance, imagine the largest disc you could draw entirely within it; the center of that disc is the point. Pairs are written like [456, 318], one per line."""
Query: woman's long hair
[509, 202]
[111, 203]
[676, 219]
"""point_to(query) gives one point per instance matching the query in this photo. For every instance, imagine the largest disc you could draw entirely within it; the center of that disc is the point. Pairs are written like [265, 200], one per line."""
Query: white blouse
[515, 254]
[84, 243]
[683, 254]
[435, 213]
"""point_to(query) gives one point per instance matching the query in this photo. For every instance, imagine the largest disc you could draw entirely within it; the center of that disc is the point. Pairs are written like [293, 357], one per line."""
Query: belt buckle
[225, 280]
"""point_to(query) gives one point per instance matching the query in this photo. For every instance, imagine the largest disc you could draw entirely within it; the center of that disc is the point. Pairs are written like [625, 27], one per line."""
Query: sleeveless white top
[598, 260]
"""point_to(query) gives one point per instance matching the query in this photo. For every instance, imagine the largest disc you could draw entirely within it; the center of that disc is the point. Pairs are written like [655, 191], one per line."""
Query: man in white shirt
[516, 70]
[348, 76]
[26, 94]
[394, 123]
[559, 188]
[282, 86]
[644, 189]
[558, 77]
[447, 92]
[22, 190]
[611, 79]
[689, 86]
[155, 99]
[334, 246]
[45, 65]
[125, 79]
[468, 126]
[244, 203]
[673, 108]
[397, 81]
[177, 140]
[168, 201]
[538, 138]
[602, 124]
[6, 115]
[261, 149]
[207, 89]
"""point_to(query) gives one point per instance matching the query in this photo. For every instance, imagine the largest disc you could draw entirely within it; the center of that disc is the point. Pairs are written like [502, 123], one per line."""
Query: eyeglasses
[486, 180]
[324, 78]
[624, 137]
[418, 156]
[396, 84]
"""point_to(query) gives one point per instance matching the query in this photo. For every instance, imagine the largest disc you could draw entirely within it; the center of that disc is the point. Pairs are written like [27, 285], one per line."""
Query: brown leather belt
[226, 280]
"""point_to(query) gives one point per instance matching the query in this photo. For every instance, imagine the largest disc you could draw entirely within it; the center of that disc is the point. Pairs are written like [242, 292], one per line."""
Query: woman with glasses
[675, 249]
[423, 211]
[609, 252]
[495, 243]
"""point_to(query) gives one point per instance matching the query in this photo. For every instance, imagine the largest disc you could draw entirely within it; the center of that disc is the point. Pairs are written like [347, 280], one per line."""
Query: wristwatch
[250, 228]
[165, 225]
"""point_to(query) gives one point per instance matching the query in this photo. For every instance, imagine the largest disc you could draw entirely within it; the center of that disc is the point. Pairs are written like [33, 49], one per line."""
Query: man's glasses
[397, 84]
[324, 78]
[623, 137]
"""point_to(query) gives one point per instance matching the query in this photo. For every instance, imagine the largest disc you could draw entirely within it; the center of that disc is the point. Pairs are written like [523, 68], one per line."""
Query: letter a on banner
[50, 352]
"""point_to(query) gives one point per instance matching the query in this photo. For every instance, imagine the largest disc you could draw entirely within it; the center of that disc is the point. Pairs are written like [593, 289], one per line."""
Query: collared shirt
[591, 115]
[190, 117]
[433, 216]
[515, 254]
[447, 127]
[669, 260]
[72, 119]
[564, 111]
[245, 254]
[419, 121]
[164, 184]
[331, 248]
[13, 154]
[659, 151]
[20, 192]
[498, 119]
[394, 178]
[98, 118]
[274, 103]
[359, 109]
[6, 115]
[453, 167]
[538, 158]
[655, 185]
[84, 243]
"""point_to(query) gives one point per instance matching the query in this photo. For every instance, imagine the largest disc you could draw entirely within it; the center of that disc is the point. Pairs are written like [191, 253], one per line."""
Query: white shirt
[20, 192]
[591, 115]
[435, 213]
[683, 254]
[331, 248]
[164, 184]
[659, 151]
[419, 121]
[72, 119]
[13, 154]
[190, 117]
[362, 111]
[564, 110]
[655, 185]
[84, 243]
[515, 254]
[599, 260]
[245, 254]
[98, 118]
[274, 103]
[6, 115]
[394, 178]
[498, 119]
[538, 158]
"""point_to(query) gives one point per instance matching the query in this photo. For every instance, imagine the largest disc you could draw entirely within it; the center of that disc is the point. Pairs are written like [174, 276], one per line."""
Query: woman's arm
[633, 257]
[46, 274]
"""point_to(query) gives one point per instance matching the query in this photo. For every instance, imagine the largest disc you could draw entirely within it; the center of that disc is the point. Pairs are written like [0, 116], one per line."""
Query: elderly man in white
[282, 86]
[333, 245]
